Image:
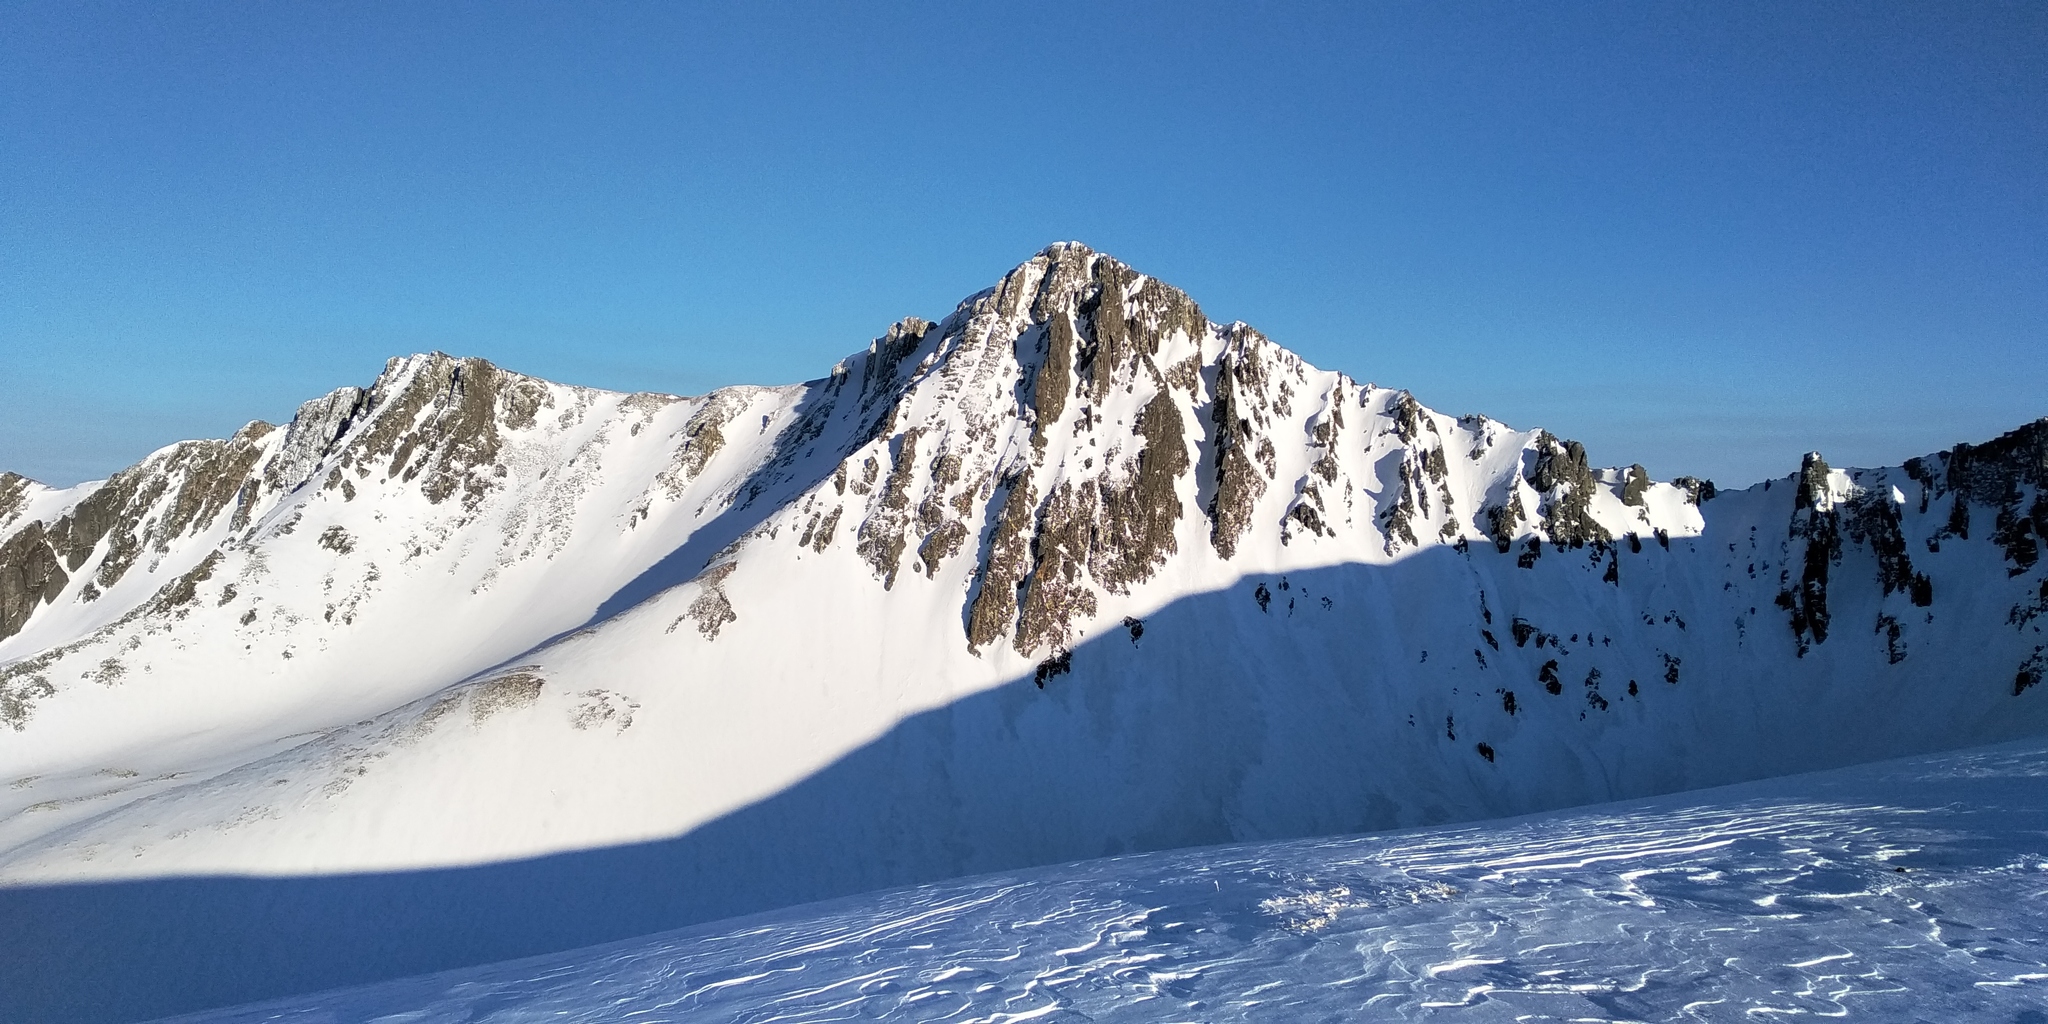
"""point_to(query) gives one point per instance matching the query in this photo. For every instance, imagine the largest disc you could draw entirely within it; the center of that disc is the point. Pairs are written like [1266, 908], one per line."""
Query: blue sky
[1702, 237]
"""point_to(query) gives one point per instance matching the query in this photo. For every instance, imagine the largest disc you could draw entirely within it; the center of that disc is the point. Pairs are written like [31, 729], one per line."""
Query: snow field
[1907, 890]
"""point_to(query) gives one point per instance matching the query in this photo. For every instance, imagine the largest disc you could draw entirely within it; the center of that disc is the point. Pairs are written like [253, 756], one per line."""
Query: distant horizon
[1705, 240]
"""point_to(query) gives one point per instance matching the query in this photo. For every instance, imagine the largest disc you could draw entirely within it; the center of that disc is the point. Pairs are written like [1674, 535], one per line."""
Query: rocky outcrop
[994, 605]
[1635, 486]
[311, 435]
[1562, 476]
[1055, 378]
[1096, 510]
[432, 421]
[439, 427]
[1057, 592]
[1872, 519]
[1816, 529]
[1140, 513]
[139, 512]
[14, 494]
[1998, 474]
[31, 575]
[884, 532]
[1236, 411]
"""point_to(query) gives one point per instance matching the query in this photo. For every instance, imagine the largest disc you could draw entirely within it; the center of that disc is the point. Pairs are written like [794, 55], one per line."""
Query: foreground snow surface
[1907, 890]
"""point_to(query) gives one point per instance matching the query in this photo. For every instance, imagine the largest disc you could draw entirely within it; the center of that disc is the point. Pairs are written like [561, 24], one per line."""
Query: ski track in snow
[1770, 900]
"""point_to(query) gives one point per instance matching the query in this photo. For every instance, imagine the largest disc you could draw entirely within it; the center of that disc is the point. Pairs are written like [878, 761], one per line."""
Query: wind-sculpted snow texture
[1071, 571]
[1912, 890]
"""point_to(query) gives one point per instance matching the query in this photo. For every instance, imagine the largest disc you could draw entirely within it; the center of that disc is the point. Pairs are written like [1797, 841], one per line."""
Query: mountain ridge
[1069, 571]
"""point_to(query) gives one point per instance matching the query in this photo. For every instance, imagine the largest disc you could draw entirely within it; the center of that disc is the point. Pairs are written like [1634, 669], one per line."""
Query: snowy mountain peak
[1086, 425]
[1070, 570]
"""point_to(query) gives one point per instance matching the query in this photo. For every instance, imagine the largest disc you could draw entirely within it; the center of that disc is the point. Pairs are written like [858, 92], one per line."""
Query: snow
[417, 602]
[1914, 889]
[652, 664]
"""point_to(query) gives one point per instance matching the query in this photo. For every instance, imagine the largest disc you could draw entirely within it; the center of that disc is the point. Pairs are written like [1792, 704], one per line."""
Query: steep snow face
[1071, 571]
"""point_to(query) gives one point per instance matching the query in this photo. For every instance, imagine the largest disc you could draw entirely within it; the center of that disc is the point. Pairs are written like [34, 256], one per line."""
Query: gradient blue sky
[1703, 237]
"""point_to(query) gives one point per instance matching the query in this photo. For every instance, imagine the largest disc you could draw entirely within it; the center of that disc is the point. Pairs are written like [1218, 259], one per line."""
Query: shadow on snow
[1202, 730]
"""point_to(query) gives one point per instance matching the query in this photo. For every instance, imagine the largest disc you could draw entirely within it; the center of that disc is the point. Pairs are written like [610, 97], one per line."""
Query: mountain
[468, 665]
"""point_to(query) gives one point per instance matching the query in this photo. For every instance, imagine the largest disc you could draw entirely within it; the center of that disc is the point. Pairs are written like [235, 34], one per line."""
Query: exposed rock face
[442, 429]
[1638, 484]
[318, 425]
[1997, 475]
[882, 534]
[1138, 519]
[141, 511]
[1239, 483]
[1561, 474]
[712, 609]
[1055, 378]
[30, 575]
[702, 440]
[1872, 519]
[14, 492]
[1107, 521]
[434, 422]
[1815, 521]
[1057, 592]
[1696, 490]
[1003, 567]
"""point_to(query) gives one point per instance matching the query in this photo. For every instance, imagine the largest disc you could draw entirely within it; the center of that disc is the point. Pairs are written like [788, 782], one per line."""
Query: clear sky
[1704, 237]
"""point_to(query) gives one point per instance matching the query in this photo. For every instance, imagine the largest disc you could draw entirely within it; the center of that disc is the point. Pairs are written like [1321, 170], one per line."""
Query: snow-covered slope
[1907, 890]
[1072, 571]
[225, 599]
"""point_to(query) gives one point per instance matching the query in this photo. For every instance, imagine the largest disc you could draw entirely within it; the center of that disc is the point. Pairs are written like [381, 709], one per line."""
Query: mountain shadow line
[1329, 701]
